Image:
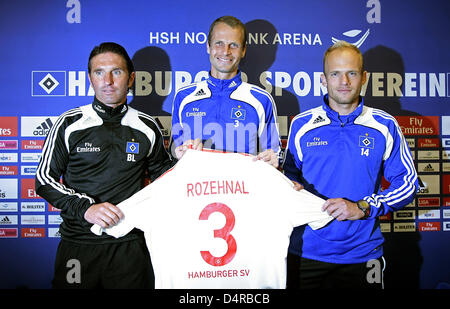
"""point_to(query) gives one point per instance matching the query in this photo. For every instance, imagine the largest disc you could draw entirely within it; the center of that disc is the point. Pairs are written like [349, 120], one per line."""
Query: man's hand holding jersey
[269, 156]
[297, 186]
[339, 208]
[103, 214]
[195, 144]
[342, 209]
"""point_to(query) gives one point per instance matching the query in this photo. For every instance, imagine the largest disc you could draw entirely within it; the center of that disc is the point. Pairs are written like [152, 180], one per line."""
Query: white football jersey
[219, 220]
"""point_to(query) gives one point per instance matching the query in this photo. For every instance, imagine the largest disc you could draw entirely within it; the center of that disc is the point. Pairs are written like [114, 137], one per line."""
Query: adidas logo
[428, 168]
[318, 120]
[47, 124]
[232, 84]
[42, 130]
[5, 220]
[200, 92]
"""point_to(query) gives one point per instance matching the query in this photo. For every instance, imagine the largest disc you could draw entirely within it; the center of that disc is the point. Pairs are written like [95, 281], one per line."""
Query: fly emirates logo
[88, 147]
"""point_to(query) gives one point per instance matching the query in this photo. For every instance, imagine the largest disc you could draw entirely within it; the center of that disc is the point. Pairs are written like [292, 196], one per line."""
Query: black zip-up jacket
[103, 155]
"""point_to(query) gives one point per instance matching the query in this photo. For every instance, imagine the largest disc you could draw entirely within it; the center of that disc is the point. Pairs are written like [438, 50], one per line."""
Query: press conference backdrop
[44, 53]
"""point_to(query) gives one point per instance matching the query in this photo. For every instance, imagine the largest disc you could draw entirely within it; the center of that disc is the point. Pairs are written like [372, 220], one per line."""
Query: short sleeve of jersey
[133, 209]
[302, 206]
[309, 211]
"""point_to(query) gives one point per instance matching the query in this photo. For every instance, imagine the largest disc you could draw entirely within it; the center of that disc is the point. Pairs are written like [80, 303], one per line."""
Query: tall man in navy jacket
[340, 151]
[224, 112]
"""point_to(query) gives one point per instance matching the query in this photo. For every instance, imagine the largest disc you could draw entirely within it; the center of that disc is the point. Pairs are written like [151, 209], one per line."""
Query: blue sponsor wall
[45, 48]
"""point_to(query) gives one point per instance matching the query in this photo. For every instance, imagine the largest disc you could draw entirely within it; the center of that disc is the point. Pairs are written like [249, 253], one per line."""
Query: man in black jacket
[103, 152]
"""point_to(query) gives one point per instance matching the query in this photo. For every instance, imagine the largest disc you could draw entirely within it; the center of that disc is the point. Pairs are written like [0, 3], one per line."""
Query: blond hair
[342, 45]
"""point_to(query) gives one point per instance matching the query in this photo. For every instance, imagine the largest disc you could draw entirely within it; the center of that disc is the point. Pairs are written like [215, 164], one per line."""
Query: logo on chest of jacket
[195, 113]
[238, 113]
[366, 143]
[316, 142]
[319, 119]
[131, 150]
[199, 93]
[88, 147]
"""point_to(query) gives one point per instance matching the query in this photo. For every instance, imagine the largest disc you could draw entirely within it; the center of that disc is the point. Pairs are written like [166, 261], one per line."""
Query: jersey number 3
[223, 233]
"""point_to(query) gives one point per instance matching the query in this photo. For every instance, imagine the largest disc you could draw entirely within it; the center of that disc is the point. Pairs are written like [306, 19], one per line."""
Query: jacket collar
[224, 84]
[333, 115]
[108, 113]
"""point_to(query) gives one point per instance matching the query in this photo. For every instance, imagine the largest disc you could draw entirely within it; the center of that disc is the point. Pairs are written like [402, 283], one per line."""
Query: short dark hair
[231, 21]
[113, 48]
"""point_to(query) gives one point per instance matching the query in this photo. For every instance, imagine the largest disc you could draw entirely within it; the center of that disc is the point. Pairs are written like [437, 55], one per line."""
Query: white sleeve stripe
[409, 179]
[175, 97]
[274, 110]
[274, 106]
[403, 191]
[140, 114]
[186, 87]
[181, 90]
[191, 97]
[43, 170]
[308, 126]
[243, 93]
[132, 120]
[307, 113]
[261, 91]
